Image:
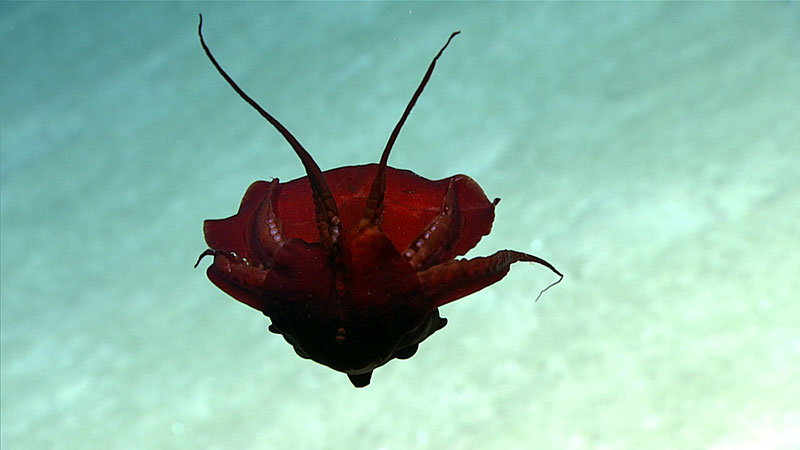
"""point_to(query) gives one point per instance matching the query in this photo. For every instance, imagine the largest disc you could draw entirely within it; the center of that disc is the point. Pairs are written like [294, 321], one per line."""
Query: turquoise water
[650, 151]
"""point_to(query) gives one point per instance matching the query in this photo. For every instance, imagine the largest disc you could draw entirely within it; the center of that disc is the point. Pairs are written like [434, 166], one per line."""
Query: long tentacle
[452, 280]
[373, 210]
[327, 212]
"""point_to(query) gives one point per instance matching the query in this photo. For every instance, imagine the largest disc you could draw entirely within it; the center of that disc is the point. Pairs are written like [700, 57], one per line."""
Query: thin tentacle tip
[207, 252]
[452, 35]
[560, 278]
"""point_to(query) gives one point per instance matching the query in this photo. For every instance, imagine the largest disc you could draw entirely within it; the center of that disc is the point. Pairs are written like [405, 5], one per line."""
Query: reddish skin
[352, 264]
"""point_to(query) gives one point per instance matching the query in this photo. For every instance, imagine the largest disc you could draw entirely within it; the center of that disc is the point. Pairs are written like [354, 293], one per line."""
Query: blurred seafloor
[651, 151]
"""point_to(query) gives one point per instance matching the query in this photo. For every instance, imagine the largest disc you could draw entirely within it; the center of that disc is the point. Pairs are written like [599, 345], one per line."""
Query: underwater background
[650, 151]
